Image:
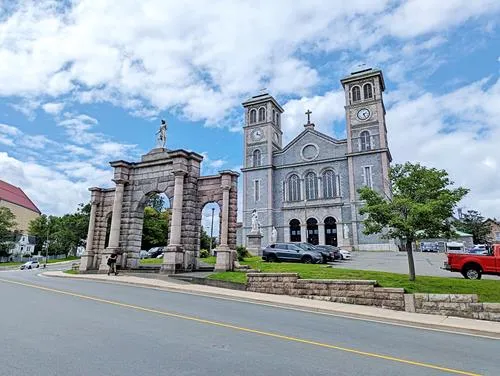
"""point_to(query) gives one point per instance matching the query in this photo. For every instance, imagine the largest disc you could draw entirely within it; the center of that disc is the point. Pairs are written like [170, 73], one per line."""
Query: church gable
[310, 146]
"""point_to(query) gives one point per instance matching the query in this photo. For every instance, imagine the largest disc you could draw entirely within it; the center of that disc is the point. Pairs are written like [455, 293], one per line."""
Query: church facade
[307, 189]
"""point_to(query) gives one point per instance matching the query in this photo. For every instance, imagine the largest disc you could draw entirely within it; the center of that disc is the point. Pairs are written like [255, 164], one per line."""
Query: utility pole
[211, 231]
[47, 245]
[305, 219]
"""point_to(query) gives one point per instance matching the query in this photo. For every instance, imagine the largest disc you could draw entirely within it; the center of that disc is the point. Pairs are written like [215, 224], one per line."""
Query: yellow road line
[247, 330]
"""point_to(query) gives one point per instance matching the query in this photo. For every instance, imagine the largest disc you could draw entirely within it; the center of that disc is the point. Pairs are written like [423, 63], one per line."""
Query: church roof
[260, 98]
[15, 195]
[314, 131]
[363, 73]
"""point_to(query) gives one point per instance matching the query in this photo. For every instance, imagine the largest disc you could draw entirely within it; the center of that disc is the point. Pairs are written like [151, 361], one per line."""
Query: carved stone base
[254, 243]
[103, 266]
[225, 259]
[86, 261]
[173, 259]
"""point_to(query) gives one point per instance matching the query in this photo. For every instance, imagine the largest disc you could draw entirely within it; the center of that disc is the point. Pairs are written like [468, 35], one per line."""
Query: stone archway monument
[177, 174]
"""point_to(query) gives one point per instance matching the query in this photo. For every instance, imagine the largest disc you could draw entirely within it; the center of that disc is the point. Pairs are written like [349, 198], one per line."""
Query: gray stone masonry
[367, 292]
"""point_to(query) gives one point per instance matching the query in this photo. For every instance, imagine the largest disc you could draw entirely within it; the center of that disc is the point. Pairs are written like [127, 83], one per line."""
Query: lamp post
[305, 219]
[211, 231]
[47, 245]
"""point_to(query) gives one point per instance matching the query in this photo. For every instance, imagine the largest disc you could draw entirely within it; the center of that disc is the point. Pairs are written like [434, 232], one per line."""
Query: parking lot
[426, 263]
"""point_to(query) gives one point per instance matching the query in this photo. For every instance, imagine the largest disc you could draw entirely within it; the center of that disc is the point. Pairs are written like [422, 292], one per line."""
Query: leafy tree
[472, 222]
[7, 225]
[155, 228]
[156, 202]
[205, 240]
[421, 204]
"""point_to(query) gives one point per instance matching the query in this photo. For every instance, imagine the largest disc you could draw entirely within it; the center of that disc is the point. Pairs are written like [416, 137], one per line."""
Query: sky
[86, 82]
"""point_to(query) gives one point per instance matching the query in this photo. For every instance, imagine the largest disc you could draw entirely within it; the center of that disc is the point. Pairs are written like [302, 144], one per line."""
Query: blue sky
[89, 82]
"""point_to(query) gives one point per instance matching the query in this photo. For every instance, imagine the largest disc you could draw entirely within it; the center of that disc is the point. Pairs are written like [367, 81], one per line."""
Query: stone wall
[340, 291]
[368, 293]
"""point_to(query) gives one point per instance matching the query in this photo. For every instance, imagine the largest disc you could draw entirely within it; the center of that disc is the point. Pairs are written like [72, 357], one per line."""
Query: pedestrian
[112, 263]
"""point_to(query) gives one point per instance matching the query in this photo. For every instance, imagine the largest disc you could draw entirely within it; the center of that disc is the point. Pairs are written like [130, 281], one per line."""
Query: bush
[242, 253]
[204, 253]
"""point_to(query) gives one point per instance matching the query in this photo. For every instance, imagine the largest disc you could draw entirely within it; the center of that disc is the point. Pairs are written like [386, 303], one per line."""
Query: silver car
[290, 252]
[30, 265]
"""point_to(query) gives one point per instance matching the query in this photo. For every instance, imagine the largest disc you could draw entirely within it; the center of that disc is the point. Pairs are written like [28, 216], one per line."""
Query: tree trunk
[411, 262]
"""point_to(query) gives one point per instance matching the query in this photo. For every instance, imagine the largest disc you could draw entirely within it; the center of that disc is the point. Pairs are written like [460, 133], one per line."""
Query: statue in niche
[274, 235]
[255, 222]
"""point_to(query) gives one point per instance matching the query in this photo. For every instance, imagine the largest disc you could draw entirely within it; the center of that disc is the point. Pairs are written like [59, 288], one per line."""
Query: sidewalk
[454, 324]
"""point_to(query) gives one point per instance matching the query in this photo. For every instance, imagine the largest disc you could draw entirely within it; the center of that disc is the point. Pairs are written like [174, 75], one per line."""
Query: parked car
[160, 256]
[143, 254]
[346, 255]
[30, 265]
[478, 251]
[291, 252]
[333, 252]
[473, 266]
[155, 252]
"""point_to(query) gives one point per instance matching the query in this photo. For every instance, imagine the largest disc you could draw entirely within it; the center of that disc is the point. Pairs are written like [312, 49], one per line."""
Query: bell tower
[262, 136]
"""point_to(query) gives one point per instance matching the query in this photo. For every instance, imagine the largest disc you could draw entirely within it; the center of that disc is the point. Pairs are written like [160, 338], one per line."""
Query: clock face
[363, 114]
[257, 134]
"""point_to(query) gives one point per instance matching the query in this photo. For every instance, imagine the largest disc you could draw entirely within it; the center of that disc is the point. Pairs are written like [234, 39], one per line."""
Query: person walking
[112, 263]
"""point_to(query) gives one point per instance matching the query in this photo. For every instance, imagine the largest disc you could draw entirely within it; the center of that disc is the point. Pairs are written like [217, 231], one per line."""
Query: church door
[294, 230]
[331, 231]
[312, 231]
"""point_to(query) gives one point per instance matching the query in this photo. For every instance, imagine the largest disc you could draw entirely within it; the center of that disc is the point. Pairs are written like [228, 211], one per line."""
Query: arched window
[356, 94]
[295, 230]
[331, 231]
[294, 188]
[262, 114]
[311, 186]
[329, 188]
[274, 115]
[368, 92]
[365, 140]
[253, 116]
[256, 158]
[312, 231]
[278, 119]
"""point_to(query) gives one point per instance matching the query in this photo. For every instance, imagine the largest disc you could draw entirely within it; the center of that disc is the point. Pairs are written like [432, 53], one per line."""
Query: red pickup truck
[473, 266]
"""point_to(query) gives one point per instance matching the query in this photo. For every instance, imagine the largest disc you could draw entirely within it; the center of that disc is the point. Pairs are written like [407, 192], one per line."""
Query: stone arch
[177, 174]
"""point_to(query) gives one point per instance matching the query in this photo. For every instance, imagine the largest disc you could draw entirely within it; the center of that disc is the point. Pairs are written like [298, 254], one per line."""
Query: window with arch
[256, 158]
[356, 94]
[365, 142]
[368, 91]
[274, 114]
[311, 186]
[329, 186]
[295, 230]
[278, 119]
[294, 188]
[253, 116]
[262, 114]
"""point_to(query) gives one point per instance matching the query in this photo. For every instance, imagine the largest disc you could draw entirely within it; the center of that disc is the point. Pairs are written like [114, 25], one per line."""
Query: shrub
[242, 252]
[204, 253]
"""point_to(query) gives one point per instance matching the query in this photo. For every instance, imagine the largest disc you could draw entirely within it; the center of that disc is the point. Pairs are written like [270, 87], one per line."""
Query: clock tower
[262, 136]
[368, 154]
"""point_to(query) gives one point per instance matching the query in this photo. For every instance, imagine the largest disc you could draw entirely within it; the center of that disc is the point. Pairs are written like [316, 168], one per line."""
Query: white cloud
[53, 108]
[9, 130]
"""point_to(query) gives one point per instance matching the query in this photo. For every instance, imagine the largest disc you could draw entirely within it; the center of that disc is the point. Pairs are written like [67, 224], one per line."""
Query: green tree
[156, 202]
[155, 228]
[7, 225]
[472, 222]
[421, 204]
[205, 240]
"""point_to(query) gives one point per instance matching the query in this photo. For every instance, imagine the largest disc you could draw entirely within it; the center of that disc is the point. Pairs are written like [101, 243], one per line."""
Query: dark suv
[292, 253]
[333, 253]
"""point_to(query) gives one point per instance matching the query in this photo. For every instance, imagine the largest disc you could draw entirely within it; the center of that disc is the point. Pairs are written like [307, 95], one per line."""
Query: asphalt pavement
[55, 326]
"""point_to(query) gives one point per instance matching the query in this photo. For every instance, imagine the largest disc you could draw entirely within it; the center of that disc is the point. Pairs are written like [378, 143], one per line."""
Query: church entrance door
[331, 231]
[294, 230]
[312, 231]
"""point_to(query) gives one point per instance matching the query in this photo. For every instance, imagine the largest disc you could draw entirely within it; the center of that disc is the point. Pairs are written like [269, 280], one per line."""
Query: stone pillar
[321, 233]
[87, 259]
[340, 234]
[224, 257]
[116, 218]
[287, 234]
[303, 233]
[173, 258]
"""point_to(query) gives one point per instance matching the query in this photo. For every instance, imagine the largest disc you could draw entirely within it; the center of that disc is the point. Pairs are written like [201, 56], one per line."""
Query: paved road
[54, 326]
[426, 263]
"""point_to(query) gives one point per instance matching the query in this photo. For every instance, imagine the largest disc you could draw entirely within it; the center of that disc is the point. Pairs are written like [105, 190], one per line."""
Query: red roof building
[19, 203]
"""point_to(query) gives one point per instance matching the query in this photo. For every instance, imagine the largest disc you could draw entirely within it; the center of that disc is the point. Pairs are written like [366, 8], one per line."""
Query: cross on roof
[308, 113]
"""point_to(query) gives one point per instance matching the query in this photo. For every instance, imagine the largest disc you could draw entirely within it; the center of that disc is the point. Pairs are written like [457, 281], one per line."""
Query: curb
[455, 325]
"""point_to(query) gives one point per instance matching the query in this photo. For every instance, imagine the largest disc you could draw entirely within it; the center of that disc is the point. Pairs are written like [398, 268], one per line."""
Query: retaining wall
[368, 293]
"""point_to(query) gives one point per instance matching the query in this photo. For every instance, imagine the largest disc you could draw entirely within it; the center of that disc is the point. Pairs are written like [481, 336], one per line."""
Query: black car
[291, 252]
[333, 252]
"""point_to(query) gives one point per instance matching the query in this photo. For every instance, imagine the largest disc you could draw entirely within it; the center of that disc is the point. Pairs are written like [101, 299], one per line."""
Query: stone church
[307, 189]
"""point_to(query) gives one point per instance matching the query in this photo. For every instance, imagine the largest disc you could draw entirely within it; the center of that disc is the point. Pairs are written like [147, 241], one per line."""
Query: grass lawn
[151, 261]
[71, 271]
[11, 263]
[69, 258]
[209, 260]
[487, 290]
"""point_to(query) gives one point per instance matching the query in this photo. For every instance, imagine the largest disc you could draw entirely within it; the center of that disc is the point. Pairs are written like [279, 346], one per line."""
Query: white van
[455, 247]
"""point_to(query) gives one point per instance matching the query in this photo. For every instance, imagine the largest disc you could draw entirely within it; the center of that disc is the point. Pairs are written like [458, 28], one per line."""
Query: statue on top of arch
[161, 135]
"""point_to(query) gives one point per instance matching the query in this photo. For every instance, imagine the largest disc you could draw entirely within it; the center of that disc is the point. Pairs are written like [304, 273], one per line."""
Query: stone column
[287, 234]
[340, 234]
[321, 233]
[87, 259]
[303, 233]
[224, 256]
[116, 218]
[173, 257]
